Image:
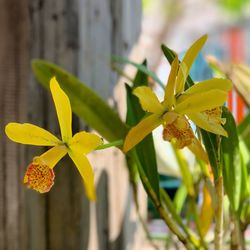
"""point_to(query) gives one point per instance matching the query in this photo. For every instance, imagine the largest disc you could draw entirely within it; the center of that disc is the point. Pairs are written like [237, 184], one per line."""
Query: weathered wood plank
[57, 28]
[13, 80]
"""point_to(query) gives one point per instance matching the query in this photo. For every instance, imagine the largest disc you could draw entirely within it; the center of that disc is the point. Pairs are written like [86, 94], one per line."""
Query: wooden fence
[81, 36]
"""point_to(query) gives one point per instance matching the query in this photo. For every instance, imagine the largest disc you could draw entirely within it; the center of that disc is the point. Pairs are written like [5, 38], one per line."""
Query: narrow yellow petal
[148, 100]
[198, 150]
[201, 101]
[188, 60]
[169, 98]
[181, 78]
[27, 133]
[63, 109]
[84, 142]
[141, 130]
[204, 86]
[201, 121]
[52, 156]
[86, 172]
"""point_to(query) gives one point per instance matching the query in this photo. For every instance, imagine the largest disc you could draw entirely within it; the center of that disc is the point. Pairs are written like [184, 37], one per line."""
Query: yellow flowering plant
[39, 175]
[215, 142]
[197, 103]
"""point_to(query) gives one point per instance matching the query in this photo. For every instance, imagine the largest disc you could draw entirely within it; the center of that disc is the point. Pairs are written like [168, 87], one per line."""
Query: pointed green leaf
[245, 185]
[86, 104]
[231, 161]
[145, 149]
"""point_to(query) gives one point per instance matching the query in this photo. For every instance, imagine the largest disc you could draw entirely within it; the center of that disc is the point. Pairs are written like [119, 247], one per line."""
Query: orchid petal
[63, 109]
[52, 156]
[148, 100]
[141, 130]
[201, 101]
[27, 133]
[84, 142]
[86, 172]
[169, 98]
[205, 86]
[188, 60]
[203, 122]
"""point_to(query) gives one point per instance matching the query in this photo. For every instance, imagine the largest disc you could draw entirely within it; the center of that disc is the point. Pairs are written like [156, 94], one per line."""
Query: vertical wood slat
[13, 82]
[79, 35]
[55, 24]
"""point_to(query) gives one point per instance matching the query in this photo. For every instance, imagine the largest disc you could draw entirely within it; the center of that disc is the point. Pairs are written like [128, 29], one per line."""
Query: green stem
[219, 213]
[164, 215]
[111, 144]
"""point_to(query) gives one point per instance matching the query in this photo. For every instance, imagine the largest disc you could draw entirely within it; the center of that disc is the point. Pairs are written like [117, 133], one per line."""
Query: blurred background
[81, 36]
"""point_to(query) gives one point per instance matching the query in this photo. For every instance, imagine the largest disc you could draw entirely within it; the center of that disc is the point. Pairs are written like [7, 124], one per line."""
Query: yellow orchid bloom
[40, 175]
[201, 103]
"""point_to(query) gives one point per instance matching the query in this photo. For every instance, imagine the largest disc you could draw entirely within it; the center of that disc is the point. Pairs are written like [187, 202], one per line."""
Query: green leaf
[86, 104]
[231, 161]
[211, 143]
[145, 149]
[210, 140]
[140, 67]
[244, 131]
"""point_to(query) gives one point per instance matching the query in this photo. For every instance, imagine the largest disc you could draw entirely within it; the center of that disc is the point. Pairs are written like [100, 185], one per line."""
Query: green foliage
[145, 149]
[232, 172]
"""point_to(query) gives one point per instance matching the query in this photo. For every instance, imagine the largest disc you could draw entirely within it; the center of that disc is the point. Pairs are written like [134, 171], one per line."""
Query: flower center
[180, 131]
[39, 176]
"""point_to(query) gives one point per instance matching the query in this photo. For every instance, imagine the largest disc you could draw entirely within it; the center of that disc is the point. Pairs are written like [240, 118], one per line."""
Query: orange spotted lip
[39, 177]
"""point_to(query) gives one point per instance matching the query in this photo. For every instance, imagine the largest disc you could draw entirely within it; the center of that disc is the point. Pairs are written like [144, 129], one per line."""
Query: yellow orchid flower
[201, 103]
[40, 175]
